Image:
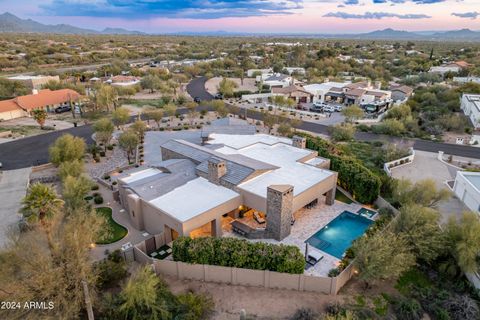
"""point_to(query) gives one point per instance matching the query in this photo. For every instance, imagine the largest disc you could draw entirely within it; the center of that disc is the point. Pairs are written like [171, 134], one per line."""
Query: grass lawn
[117, 231]
[339, 196]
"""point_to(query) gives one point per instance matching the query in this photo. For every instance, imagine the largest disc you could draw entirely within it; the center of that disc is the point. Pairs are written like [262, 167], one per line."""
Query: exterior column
[330, 197]
[216, 227]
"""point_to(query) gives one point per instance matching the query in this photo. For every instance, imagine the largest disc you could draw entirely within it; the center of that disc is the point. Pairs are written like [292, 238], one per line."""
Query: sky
[253, 16]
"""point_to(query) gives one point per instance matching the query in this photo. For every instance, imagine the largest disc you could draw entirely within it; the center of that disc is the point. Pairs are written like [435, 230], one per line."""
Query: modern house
[34, 82]
[401, 92]
[319, 90]
[44, 99]
[463, 80]
[277, 80]
[198, 187]
[470, 104]
[254, 72]
[298, 94]
[297, 70]
[123, 81]
[467, 189]
[451, 67]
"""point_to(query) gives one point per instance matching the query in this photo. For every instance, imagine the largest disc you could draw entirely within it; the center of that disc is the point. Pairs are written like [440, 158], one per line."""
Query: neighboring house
[467, 189]
[123, 81]
[463, 80]
[470, 104]
[278, 80]
[400, 92]
[34, 82]
[44, 99]
[255, 72]
[299, 94]
[452, 67]
[297, 70]
[199, 187]
[319, 90]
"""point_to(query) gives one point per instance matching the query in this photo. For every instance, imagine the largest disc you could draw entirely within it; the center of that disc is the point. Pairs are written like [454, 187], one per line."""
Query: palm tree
[40, 205]
[40, 116]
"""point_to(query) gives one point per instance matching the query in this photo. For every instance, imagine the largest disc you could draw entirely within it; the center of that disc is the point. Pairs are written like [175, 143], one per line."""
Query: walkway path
[134, 236]
[13, 187]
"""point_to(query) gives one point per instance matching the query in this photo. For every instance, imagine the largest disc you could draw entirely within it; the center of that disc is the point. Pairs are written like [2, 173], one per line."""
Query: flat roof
[192, 199]
[473, 178]
[241, 141]
[301, 176]
[139, 175]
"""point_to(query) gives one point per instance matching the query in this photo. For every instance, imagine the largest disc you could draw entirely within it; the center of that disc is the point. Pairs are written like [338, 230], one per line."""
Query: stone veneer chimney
[279, 211]
[217, 168]
[299, 142]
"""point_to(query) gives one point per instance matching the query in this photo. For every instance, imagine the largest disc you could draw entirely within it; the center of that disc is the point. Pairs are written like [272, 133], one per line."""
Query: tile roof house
[43, 99]
[297, 93]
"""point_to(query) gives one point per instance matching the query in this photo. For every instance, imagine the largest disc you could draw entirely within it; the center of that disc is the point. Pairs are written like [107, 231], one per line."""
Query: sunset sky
[256, 16]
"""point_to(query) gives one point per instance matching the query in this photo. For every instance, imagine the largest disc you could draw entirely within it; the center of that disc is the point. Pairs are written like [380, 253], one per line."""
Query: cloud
[375, 15]
[350, 2]
[471, 15]
[404, 1]
[193, 9]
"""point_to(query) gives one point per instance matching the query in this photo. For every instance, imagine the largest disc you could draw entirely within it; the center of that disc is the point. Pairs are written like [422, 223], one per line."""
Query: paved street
[196, 88]
[13, 187]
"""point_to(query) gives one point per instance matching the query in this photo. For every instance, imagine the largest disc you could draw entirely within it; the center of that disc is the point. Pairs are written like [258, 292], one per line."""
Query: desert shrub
[95, 187]
[462, 307]
[408, 309]
[98, 199]
[232, 252]
[111, 269]
[304, 314]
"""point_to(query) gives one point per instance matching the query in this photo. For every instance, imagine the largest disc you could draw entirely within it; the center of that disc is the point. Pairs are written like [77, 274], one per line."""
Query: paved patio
[307, 223]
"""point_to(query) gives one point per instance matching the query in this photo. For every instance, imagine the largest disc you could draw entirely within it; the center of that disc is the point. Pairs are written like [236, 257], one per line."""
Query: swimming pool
[338, 235]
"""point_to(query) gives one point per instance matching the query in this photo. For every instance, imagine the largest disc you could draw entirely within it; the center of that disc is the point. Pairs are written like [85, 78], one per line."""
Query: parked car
[329, 109]
[197, 100]
[338, 107]
[319, 104]
[218, 96]
[62, 109]
[315, 108]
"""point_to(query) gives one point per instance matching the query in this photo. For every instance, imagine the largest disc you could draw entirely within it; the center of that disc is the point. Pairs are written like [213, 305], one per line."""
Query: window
[133, 213]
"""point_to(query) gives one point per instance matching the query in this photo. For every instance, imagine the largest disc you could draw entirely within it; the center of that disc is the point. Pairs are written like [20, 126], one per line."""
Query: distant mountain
[121, 31]
[12, 23]
[387, 34]
[463, 34]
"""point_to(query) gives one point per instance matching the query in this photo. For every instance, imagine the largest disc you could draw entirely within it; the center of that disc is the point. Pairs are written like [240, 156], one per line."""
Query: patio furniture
[258, 218]
[240, 228]
[313, 257]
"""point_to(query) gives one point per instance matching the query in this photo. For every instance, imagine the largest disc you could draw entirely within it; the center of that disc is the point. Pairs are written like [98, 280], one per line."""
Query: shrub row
[238, 253]
[353, 176]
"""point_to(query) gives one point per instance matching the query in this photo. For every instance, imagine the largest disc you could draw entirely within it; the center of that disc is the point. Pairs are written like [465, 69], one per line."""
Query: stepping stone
[122, 210]
[154, 254]
[169, 250]
[162, 253]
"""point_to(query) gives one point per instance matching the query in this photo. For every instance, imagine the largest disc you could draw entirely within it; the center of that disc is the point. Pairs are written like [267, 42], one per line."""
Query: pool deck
[307, 223]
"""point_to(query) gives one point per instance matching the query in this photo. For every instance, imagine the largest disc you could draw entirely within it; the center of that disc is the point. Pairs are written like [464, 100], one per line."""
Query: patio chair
[257, 218]
[313, 257]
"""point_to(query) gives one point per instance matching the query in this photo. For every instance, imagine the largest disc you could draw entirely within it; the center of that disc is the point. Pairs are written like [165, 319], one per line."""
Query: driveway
[427, 166]
[13, 187]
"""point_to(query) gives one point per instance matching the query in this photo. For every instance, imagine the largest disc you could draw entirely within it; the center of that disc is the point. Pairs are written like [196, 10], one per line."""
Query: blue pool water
[338, 235]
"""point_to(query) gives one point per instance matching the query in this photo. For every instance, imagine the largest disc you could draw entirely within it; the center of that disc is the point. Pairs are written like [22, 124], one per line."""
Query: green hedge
[353, 176]
[239, 253]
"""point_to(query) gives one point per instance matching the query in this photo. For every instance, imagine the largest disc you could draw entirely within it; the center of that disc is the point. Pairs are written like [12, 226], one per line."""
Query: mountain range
[12, 23]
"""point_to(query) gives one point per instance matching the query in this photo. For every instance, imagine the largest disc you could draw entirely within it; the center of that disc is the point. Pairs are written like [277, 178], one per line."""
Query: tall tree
[464, 240]
[424, 192]
[420, 227]
[40, 205]
[120, 117]
[128, 141]
[352, 113]
[103, 131]
[74, 190]
[40, 116]
[151, 82]
[156, 115]
[106, 97]
[170, 109]
[67, 148]
[383, 256]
